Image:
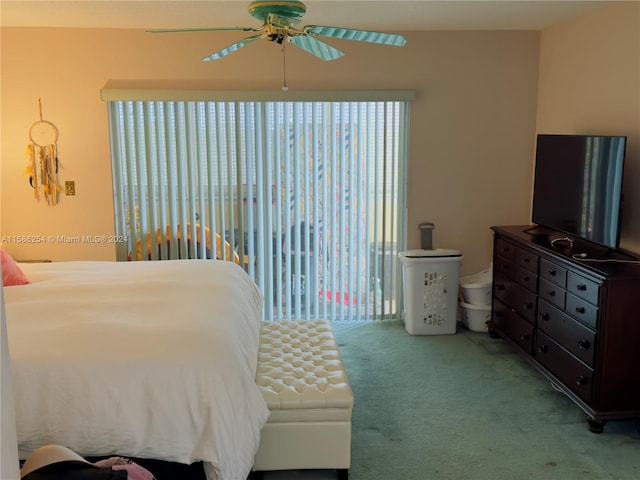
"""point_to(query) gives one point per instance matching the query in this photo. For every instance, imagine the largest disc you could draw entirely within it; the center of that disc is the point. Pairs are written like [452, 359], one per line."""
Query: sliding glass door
[307, 197]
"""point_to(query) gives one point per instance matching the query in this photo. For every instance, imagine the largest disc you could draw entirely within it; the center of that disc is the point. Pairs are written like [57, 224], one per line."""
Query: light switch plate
[69, 187]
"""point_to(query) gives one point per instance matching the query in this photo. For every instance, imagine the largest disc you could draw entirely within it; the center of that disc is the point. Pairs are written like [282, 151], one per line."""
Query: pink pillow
[11, 273]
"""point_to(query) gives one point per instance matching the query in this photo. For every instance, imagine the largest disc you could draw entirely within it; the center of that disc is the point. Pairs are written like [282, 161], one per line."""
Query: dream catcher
[42, 152]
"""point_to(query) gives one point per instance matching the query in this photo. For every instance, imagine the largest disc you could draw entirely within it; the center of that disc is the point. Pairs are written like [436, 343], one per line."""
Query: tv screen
[578, 186]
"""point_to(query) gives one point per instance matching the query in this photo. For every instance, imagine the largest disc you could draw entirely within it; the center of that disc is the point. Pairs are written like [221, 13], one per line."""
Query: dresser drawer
[501, 286]
[527, 260]
[582, 310]
[505, 249]
[583, 288]
[567, 331]
[553, 273]
[568, 369]
[503, 266]
[552, 293]
[524, 302]
[526, 278]
[513, 326]
[518, 298]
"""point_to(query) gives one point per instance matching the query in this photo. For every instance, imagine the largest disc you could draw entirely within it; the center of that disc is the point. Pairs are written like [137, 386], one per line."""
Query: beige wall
[471, 139]
[590, 84]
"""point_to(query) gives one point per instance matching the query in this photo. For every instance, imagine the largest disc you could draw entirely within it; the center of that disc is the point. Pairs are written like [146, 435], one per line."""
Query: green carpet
[465, 406]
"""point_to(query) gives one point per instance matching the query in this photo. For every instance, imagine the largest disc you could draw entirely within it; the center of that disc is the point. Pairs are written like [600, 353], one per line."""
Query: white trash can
[430, 282]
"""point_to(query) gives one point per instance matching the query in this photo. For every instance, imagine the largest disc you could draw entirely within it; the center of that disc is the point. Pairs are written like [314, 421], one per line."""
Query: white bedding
[140, 359]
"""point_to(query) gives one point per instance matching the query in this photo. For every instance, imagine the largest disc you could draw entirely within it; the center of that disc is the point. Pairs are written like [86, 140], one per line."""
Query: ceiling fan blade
[204, 29]
[358, 35]
[315, 47]
[231, 48]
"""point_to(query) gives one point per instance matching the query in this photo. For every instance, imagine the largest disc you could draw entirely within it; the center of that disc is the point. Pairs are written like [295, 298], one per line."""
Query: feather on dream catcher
[42, 153]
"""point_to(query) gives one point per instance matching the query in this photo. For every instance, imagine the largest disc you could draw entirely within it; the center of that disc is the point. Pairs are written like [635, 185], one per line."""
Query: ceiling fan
[279, 25]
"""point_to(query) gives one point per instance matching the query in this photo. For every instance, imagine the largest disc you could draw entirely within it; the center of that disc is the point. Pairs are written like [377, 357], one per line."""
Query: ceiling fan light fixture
[283, 13]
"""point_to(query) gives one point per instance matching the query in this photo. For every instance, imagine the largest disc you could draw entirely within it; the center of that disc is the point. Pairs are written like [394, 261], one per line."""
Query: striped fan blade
[316, 47]
[203, 29]
[358, 35]
[231, 48]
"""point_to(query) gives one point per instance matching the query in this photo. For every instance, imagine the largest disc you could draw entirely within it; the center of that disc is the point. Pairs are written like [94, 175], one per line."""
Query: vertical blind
[308, 197]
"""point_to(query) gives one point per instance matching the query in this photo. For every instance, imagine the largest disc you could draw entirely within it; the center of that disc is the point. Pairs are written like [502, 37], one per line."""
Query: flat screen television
[578, 186]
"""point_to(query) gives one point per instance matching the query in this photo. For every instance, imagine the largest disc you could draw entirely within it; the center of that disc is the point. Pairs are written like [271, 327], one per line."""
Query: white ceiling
[380, 15]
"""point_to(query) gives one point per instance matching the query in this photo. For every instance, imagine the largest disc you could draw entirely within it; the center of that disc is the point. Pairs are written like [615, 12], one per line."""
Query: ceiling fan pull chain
[284, 67]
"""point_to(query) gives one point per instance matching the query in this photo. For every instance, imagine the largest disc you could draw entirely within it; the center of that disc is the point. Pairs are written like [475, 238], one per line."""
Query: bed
[140, 359]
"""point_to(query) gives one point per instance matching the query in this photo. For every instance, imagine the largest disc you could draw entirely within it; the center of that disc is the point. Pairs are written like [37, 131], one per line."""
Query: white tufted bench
[301, 375]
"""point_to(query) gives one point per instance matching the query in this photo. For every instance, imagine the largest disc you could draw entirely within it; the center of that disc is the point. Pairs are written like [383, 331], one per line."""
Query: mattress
[139, 359]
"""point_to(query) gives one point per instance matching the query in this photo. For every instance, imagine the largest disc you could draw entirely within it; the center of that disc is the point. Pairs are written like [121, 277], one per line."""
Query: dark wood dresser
[572, 308]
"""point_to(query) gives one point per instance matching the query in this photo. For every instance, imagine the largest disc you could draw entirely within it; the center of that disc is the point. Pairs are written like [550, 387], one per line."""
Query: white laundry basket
[430, 279]
[476, 289]
[475, 317]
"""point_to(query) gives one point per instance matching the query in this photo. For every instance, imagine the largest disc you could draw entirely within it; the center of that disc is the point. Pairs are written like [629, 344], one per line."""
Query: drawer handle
[500, 286]
[582, 287]
[528, 306]
[581, 310]
[552, 293]
[542, 349]
[525, 259]
[544, 316]
[553, 273]
[526, 278]
[524, 336]
[584, 344]
[582, 380]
